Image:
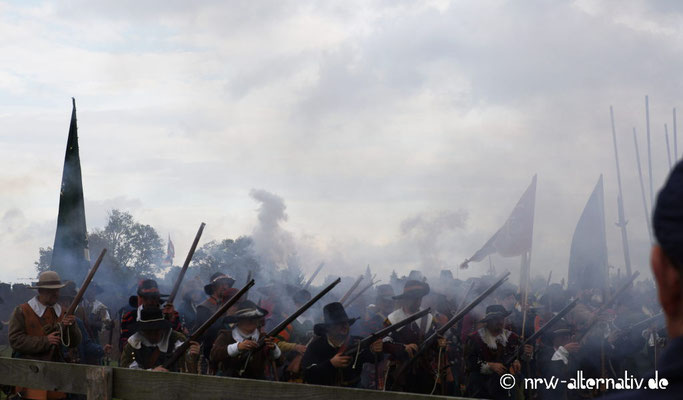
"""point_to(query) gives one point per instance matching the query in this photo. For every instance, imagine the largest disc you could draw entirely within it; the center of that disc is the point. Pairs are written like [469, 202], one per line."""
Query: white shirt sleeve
[233, 350]
[276, 353]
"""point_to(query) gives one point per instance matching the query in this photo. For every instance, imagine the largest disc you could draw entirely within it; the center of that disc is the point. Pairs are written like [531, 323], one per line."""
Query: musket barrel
[86, 283]
[207, 324]
[387, 330]
[351, 289]
[186, 265]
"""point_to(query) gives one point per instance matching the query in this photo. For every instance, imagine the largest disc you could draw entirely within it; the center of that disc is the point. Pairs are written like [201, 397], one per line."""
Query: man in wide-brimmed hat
[239, 342]
[324, 362]
[557, 359]
[94, 313]
[219, 290]
[148, 295]
[485, 352]
[405, 342]
[39, 327]
[154, 342]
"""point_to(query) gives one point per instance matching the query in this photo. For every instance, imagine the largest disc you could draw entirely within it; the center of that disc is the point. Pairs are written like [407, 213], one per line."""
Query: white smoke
[272, 243]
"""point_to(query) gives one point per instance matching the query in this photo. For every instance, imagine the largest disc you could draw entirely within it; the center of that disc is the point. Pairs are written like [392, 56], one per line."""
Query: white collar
[491, 341]
[239, 336]
[136, 340]
[39, 308]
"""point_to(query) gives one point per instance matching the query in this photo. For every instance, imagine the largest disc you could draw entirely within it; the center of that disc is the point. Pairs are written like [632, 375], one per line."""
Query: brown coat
[30, 341]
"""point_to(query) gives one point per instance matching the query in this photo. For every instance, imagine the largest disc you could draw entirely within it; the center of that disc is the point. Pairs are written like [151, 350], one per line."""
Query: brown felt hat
[48, 280]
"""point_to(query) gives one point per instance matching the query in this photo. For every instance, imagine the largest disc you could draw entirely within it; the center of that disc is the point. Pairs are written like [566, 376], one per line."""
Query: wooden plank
[100, 383]
[60, 377]
[145, 385]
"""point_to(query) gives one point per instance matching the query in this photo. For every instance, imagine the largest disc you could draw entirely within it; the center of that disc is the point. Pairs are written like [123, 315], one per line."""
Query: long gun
[206, 325]
[186, 265]
[84, 286]
[366, 341]
[360, 293]
[442, 330]
[541, 331]
[606, 304]
[642, 324]
[315, 273]
[283, 325]
[351, 289]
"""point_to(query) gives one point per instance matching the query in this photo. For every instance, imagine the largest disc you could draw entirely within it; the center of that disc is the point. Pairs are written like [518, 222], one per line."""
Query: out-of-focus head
[412, 295]
[384, 300]
[219, 284]
[667, 255]
[48, 286]
[151, 324]
[337, 323]
[67, 294]
[495, 318]
[248, 317]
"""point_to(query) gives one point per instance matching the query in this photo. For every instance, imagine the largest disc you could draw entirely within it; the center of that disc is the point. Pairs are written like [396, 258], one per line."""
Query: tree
[231, 257]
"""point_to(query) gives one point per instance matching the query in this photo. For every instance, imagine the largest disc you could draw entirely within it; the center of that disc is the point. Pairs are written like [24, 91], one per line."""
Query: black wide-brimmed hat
[147, 288]
[413, 289]
[247, 310]
[495, 311]
[333, 313]
[385, 292]
[151, 318]
[215, 278]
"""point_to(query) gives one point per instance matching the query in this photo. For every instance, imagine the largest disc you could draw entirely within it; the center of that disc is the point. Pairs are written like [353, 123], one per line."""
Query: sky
[397, 134]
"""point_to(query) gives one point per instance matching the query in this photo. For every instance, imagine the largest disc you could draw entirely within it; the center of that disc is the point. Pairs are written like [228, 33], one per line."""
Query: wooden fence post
[100, 383]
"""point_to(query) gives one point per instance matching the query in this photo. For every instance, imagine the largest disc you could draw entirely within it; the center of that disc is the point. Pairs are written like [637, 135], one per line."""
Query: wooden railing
[105, 383]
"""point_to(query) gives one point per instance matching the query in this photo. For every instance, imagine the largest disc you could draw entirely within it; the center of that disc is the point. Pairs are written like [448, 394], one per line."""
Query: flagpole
[642, 187]
[668, 149]
[675, 139]
[649, 148]
[620, 199]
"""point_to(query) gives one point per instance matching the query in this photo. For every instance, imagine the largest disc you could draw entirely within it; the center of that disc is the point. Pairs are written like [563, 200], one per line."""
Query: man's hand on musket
[300, 348]
[107, 349]
[497, 368]
[160, 369]
[246, 345]
[340, 361]
[572, 347]
[269, 342]
[516, 367]
[68, 320]
[194, 349]
[442, 342]
[376, 346]
[54, 338]
[411, 348]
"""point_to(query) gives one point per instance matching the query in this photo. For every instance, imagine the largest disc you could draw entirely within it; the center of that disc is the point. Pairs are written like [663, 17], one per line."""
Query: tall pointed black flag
[70, 257]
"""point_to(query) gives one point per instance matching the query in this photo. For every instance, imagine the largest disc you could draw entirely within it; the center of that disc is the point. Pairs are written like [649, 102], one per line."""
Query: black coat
[318, 369]
[670, 367]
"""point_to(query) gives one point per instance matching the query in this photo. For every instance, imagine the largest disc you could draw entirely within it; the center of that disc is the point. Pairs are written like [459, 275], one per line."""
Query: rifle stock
[206, 325]
[186, 265]
[84, 286]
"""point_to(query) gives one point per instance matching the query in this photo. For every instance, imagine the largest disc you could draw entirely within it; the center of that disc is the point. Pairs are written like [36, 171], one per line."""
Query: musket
[283, 325]
[84, 286]
[607, 304]
[180, 350]
[186, 265]
[351, 289]
[443, 329]
[366, 341]
[542, 330]
[642, 324]
[315, 273]
[360, 293]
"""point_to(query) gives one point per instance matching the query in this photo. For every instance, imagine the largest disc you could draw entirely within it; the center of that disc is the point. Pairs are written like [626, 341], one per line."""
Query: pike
[351, 289]
[642, 187]
[186, 265]
[531, 339]
[315, 273]
[84, 286]
[283, 325]
[206, 325]
[360, 293]
[443, 329]
[620, 200]
[366, 341]
[606, 304]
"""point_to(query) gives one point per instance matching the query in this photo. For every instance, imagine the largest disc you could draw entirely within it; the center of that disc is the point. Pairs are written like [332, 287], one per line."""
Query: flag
[170, 252]
[588, 255]
[514, 237]
[70, 256]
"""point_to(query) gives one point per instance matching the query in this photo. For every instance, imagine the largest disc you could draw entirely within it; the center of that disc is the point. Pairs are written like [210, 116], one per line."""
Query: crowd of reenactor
[415, 341]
